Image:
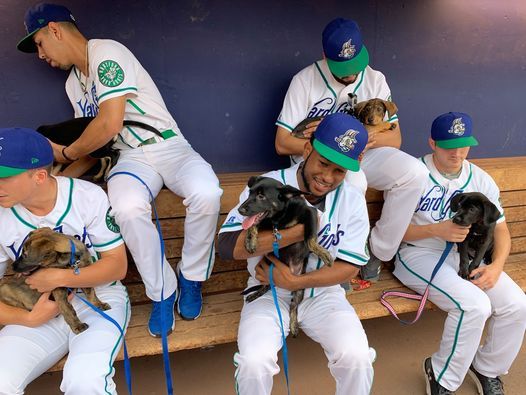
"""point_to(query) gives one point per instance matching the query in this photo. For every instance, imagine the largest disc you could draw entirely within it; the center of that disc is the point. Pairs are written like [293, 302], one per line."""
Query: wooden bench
[222, 300]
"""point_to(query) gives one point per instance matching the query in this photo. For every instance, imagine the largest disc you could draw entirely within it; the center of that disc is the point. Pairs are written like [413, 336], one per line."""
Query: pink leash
[422, 298]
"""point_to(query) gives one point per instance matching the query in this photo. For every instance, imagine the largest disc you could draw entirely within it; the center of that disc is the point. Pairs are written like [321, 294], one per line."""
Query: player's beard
[317, 198]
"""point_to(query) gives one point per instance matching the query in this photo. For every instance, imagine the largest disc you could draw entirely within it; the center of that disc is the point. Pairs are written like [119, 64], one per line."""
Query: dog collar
[73, 262]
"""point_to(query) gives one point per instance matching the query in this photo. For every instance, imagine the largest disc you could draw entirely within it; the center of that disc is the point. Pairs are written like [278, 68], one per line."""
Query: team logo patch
[348, 50]
[110, 73]
[347, 140]
[458, 127]
[110, 222]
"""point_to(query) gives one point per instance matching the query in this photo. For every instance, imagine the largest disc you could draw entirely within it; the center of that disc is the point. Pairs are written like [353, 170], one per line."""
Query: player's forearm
[10, 315]
[96, 135]
[391, 138]
[501, 244]
[326, 276]
[419, 232]
[266, 239]
[287, 144]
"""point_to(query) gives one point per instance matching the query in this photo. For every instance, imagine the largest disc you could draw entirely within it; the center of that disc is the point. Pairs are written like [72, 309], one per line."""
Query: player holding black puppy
[490, 295]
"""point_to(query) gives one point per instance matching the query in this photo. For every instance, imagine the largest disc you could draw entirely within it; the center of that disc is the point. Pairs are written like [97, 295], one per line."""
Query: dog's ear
[252, 180]
[390, 107]
[289, 192]
[491, 213]
[457, 200]
[358, 108]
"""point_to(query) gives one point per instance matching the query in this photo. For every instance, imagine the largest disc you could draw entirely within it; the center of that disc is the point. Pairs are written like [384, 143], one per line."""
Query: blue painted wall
[223, 67]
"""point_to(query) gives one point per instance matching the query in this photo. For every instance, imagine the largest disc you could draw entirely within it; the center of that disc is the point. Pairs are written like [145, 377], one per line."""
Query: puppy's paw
[80, 328]
[251, 241]
[464, 274]
[294, 328]
[104, 306]
[326, 257]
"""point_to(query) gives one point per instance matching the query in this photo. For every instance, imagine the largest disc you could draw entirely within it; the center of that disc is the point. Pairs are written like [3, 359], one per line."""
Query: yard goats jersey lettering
[114, 71]
[82, 210]
[314, 92]
[342, 228]
[435, 204]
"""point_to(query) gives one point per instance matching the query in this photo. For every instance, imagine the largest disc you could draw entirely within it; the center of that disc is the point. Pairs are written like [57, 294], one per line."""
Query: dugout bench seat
[219, 321]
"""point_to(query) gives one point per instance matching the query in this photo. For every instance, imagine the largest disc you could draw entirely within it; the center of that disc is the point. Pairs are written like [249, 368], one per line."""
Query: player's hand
[311, 128]
[371, 143]
[283, 278]
[57, 152]
[449, 231]
[45, 280]
[42, 312]
[485, 277]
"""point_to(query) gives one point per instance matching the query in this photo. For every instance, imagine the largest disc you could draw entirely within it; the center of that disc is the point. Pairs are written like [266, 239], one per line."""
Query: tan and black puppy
[372, 113]
[45, 248]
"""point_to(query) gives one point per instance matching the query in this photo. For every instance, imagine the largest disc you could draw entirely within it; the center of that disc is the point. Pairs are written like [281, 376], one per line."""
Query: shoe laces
[495, 385]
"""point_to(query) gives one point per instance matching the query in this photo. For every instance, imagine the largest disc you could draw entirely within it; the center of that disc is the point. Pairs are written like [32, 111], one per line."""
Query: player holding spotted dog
[489, 296]
[33, 341]
[324, 314]
[323, 88]
[107, 82]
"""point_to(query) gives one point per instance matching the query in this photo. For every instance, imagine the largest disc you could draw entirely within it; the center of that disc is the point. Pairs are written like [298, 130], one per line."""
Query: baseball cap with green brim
[23, 149]
[341, 138]
[38, 17]
[453, 130]
[343, 48]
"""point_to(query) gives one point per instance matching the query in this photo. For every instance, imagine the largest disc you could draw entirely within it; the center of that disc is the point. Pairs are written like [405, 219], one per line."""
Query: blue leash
[74, 263]
[275, 248]
[164, 339]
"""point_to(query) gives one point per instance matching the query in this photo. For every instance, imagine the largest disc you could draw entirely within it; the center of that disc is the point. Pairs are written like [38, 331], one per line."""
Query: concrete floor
[398, 369]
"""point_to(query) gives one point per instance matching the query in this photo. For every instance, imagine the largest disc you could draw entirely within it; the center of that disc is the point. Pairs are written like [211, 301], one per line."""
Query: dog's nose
[370, 120]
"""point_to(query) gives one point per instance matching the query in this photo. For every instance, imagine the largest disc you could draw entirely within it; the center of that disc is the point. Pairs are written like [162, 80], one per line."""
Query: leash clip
[275, 243]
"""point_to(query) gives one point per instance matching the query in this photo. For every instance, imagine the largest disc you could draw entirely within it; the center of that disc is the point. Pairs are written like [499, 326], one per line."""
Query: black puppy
[273, 206]
[474, 209]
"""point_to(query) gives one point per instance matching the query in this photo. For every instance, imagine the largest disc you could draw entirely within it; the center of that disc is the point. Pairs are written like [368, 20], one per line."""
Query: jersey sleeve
[234, 220]
[103, 232]
[113, 68]
[384, 93]
[295, 104]
[491, 190]
[353, 245]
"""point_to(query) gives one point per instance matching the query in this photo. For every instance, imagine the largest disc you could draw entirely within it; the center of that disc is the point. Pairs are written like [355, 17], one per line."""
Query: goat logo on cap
[348, 50]
[347, 140]
[458, 127]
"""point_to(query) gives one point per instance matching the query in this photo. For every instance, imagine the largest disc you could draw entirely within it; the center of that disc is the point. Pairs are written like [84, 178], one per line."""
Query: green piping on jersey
[132, 103]
[282, 172]
[70, 200]
[393, 118]
[469, 178]
[110, 363]
[328, 86]
[455, 341]
[18, 217]
[236, 374]
[360, 82]
[357, 257]
[336, 195]
[210, 260]
[279, 123]
[131, 88]
[224, 226]
[134, 134]
[108, 243]
[318, 265]
[122, 139]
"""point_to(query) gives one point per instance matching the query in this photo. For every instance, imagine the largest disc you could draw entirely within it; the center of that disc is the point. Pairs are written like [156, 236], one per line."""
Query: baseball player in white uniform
[492, 298]
[323, 88]
[325, 315]
[32, 342]
[107, 82]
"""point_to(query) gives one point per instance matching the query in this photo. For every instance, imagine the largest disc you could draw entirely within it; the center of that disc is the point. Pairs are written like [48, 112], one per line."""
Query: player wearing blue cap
[32, 342]
[491, 298]
[325, 315]
[107, 82]
[323, 88]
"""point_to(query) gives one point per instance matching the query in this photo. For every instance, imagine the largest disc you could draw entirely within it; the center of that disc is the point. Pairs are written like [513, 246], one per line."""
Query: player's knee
[478, 310]
[256, 364]
[205, 200]
[78, 379]
[10, 383]
[517, 309]
[126, 209]
[352, 356]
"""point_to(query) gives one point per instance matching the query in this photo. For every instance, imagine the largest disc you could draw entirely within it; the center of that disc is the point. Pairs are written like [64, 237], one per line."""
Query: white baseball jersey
[114, 71]
[434, 204]
[82, 210]
[314, 92]
[343, 226]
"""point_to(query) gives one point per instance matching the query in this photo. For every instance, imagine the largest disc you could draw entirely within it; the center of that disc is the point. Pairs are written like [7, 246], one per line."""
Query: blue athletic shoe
[190, 300]
[154, 324]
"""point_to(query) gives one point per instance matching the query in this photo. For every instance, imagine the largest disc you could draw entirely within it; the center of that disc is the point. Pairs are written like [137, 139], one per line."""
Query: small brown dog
[372, 113]
[45, 248]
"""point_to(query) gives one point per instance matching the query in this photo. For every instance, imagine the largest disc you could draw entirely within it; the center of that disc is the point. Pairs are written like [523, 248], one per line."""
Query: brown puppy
[372, 113]
[45, 248]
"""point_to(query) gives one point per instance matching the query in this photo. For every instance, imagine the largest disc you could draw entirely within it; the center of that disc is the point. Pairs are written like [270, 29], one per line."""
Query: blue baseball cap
[38, 17]
[341, 139]
[343, 47]
[23, 149]
[453, 130]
